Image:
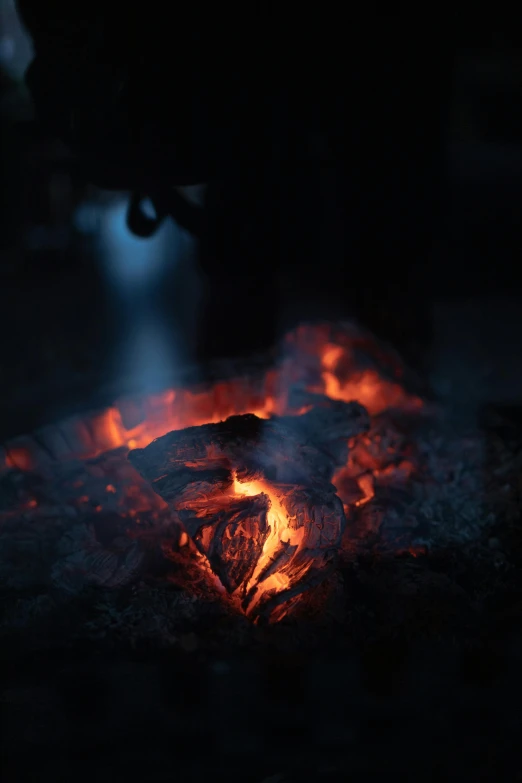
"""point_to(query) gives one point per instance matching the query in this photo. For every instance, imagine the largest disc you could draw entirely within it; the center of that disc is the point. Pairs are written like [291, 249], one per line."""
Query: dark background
[401, 206]
[397, 200]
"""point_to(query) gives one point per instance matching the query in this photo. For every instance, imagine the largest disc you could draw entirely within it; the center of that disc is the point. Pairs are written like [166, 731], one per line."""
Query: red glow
[325, 366]
[19, 458]
[366, 386]
[318, 360]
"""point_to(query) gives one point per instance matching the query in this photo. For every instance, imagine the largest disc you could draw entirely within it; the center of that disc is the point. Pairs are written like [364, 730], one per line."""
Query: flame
[365, 386]
[172, 410]
[248, 594]
[332, 366]
[366, 486]
[20, 458]
[280, 531]
[318, 359]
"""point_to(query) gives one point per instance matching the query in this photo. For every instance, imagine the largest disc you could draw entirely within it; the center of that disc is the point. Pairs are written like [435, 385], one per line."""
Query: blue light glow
[131, 261]
[149, 351]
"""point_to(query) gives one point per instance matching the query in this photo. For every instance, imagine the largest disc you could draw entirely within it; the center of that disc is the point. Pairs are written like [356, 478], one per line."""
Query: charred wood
[256, 496]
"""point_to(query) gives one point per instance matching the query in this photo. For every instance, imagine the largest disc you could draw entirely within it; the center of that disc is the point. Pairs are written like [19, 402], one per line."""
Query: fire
[174, 409]
[314, 361]
[365, 386]
[366, 486]
[318, 361]
[279, 531]
[20, 458]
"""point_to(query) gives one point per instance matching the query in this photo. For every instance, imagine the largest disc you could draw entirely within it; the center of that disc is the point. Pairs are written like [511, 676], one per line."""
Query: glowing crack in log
[256, 497]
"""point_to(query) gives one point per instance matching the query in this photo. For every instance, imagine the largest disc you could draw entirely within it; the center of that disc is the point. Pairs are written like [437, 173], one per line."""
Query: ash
[94, 534]
[448, 499]
[110, 630]
[413, 478]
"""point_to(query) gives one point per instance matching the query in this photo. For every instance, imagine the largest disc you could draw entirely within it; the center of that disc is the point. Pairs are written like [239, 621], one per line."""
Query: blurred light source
[15, 45]
[130, 261]
[148, 348]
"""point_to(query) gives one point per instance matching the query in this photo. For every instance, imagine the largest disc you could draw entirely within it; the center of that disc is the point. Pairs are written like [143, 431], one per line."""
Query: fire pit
[304, 525]
[249, 490]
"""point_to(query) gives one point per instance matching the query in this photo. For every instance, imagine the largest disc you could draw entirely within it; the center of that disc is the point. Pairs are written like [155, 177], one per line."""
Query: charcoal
[231, 537]
[421, 492]
[89, 564]
[26, 453]
[53, 441]
[329, 420]
[268, 547]
[319, 514]
[284, 449]
[200, 482]
[77, 436]
[329, 425]
[16, 487]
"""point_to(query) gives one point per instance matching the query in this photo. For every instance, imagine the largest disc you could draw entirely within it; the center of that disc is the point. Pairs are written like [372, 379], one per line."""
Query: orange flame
[335, 376]
[365, 386]
[280, 531]
[318, 360]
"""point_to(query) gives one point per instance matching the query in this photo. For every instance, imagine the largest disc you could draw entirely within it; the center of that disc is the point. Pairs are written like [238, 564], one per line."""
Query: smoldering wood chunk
[26, 453]
[77, 436]
[292, 450]
[54, 442]
[199, 480]
[329, 420]
[329, 425]
[200, 471]
[98, 568]
[231, 535]
[317, 512]
[385, 444]
[316, 523]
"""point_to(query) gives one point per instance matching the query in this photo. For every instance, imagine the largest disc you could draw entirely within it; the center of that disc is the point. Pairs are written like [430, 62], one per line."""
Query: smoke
[150, 349]
[15, 44]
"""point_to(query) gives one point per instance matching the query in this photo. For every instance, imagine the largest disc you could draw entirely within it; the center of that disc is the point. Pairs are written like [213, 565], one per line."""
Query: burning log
[256, 497]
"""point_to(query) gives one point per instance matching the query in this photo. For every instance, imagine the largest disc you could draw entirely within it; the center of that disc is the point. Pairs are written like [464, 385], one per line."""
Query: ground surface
[399, 662]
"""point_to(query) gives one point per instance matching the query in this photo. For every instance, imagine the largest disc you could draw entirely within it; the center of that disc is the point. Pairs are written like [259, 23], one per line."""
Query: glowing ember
[279, 532]
[267, 517]
[256, 497]
[319, 359]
